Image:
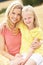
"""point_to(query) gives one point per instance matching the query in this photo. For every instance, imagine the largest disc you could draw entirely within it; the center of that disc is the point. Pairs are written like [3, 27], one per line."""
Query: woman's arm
[3, 49]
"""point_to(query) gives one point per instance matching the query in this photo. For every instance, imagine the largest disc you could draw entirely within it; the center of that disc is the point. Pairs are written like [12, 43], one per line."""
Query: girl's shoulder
[40, 33]
[40, 29]
[37, 29]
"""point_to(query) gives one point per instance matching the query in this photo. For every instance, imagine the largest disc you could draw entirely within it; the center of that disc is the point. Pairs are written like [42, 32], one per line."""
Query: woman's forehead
[16, 7]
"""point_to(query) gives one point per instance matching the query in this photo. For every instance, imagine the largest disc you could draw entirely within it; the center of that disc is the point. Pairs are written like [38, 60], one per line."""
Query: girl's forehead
[27, 13]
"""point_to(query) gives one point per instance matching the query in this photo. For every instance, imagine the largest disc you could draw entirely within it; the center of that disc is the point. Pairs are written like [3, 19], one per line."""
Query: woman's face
[15, 15]
[28, 17]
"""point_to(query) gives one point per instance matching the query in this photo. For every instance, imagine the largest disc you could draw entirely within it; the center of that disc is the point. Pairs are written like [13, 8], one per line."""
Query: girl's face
[15, 15]
[28, 17]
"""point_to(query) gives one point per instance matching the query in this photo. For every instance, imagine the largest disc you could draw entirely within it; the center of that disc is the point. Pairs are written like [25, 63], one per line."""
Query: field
[38, 9]
[3, 5]
[39, 12]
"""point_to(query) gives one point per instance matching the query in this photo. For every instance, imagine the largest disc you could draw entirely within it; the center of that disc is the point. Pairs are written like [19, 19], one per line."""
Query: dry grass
[39, 12]
[38, 9]
[3, 5]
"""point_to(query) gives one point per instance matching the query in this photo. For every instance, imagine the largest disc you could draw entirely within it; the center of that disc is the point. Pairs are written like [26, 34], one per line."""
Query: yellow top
[28, 36]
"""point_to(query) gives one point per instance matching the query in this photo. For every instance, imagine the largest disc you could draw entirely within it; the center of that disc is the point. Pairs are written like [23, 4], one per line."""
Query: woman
[10, 34]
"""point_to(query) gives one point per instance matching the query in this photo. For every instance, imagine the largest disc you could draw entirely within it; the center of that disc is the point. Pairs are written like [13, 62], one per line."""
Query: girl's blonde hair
[30, 8]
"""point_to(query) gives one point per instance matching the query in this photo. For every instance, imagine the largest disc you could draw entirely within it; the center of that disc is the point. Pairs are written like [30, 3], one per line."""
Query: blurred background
[38, 6]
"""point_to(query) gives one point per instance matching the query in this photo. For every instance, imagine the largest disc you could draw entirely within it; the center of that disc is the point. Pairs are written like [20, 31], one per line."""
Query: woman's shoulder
[2, 26]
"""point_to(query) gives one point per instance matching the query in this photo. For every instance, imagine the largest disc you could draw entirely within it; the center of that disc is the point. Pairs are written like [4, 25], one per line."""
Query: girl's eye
[29, 17]
[24, 18]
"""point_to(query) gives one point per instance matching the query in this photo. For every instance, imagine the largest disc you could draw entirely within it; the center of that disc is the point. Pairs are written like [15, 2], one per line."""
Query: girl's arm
[35, 44]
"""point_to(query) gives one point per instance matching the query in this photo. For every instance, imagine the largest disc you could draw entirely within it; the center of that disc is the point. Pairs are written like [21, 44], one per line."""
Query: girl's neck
[30, 27]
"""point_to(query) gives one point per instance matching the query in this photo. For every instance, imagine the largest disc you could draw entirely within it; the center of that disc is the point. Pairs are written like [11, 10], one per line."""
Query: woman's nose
[15, 16]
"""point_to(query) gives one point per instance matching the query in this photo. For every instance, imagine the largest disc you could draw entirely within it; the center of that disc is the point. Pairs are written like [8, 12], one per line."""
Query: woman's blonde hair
[30, 8]
[14, 4]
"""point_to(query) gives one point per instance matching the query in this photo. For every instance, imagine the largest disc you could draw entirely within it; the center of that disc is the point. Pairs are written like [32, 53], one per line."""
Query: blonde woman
[10, 34]
[32, 35]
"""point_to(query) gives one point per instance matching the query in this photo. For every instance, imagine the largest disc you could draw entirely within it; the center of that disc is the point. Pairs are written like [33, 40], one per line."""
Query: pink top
[13, 42]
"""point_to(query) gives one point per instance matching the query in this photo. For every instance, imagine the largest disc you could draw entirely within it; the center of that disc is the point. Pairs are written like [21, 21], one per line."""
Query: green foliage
[32, 2]
[3, 10]
[2, 0]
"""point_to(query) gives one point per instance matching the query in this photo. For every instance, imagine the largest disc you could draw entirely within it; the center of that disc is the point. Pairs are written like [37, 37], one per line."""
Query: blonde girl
[32, 34]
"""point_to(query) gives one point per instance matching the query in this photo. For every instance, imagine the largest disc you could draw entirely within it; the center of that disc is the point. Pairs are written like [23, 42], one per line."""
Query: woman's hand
[17, 60]
[36, 43]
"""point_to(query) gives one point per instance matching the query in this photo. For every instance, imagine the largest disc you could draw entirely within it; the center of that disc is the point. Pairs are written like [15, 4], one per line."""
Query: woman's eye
[19, 14]
[13, 13]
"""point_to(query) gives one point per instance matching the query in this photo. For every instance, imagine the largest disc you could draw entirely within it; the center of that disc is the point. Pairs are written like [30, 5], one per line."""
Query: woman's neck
[12, 28]
[11, 25]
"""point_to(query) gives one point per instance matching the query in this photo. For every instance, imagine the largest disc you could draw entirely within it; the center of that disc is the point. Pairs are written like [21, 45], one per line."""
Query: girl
[32, 34]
